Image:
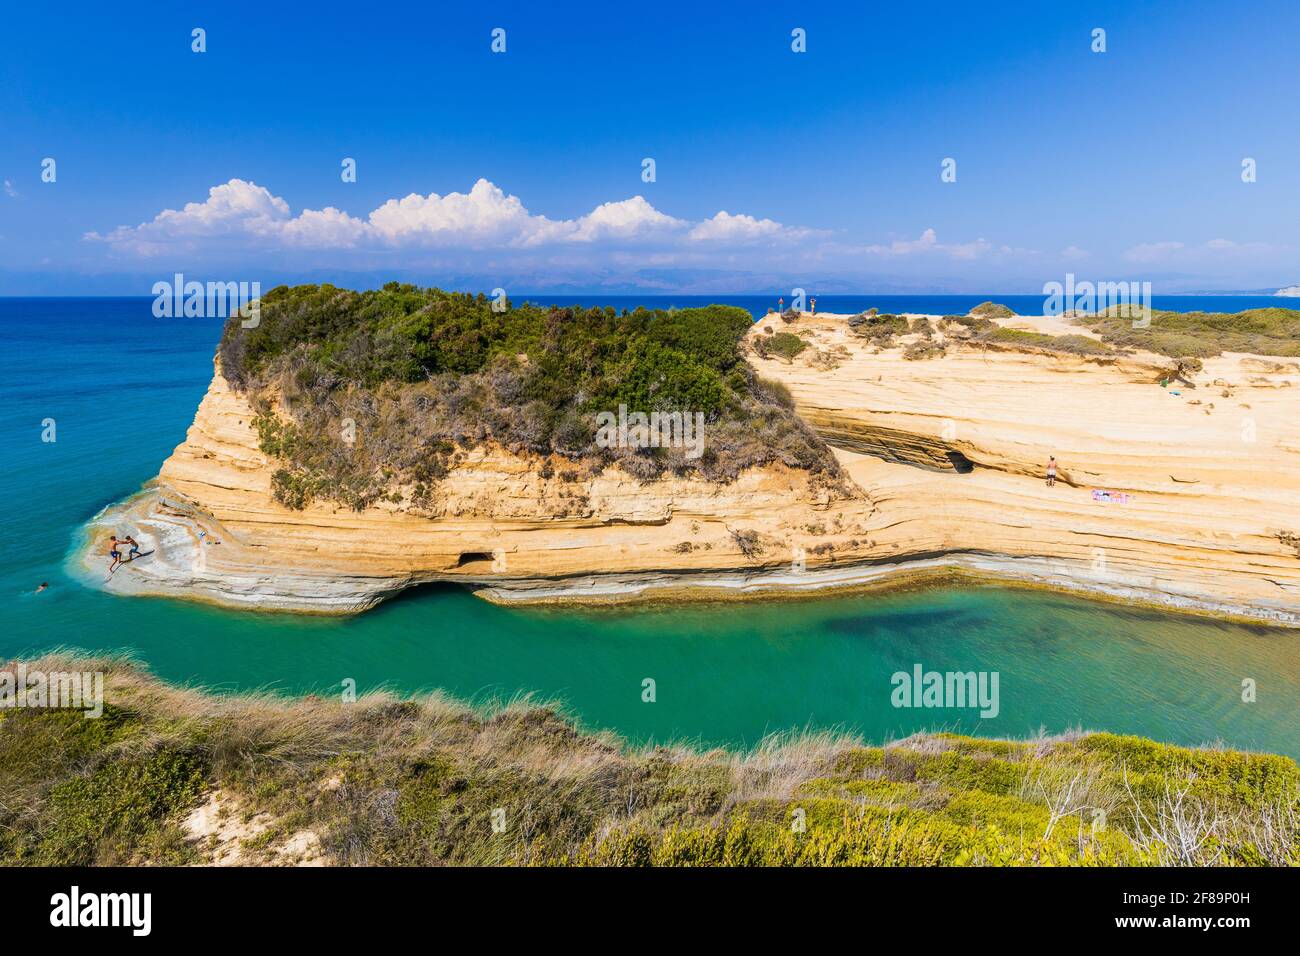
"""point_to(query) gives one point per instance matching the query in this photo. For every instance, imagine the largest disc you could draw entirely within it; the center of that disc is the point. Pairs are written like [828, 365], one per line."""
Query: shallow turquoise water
[122, 387]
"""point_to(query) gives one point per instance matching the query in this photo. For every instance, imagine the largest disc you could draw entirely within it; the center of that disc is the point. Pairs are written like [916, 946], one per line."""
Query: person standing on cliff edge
[1051, 470]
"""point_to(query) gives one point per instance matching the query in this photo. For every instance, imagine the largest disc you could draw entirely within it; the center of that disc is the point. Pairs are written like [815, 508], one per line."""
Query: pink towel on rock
[1100, 494]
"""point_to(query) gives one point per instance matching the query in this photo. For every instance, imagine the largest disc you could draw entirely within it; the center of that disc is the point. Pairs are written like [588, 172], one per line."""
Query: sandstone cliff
[219, 535]
[956, 447]
[947, 454]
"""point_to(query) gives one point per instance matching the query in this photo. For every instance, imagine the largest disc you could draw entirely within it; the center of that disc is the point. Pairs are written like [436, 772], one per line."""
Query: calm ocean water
[122, 386]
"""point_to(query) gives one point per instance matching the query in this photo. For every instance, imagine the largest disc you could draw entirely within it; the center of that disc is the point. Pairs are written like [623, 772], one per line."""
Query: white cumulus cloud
[233, 208]
[483, 216]
[739, 228]
[486, 217]
[628, 219]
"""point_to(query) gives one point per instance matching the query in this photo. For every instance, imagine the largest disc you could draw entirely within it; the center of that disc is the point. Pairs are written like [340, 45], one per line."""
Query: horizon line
[694, 295]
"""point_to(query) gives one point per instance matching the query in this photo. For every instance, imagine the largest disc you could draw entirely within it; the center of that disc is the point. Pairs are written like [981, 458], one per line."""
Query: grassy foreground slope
[389, 781]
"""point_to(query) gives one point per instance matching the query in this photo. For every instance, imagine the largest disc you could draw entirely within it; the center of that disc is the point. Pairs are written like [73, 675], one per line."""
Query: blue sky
[1117, 165]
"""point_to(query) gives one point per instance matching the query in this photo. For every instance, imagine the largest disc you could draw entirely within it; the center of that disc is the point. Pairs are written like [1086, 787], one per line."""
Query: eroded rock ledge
[947, 454]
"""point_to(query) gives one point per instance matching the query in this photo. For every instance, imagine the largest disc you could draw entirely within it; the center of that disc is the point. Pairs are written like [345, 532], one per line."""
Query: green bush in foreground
[406, 782]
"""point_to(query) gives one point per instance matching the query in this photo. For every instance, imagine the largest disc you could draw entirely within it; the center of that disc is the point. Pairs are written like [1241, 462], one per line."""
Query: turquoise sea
[122, 386]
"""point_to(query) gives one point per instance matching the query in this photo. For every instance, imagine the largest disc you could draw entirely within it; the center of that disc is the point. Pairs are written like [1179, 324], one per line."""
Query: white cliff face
[1212, 475]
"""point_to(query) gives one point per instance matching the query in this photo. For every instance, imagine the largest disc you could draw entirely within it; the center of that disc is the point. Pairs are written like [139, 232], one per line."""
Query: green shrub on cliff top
[424, 374]
[1074, 344]
[992, 310]
[1270, 331]
[784, 344]
[879, 329]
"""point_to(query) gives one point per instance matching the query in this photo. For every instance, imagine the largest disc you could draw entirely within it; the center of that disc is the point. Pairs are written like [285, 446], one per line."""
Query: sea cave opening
[960, 463]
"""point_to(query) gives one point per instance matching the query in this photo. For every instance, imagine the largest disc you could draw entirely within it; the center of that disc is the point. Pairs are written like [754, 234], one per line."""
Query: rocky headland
[1179, 485]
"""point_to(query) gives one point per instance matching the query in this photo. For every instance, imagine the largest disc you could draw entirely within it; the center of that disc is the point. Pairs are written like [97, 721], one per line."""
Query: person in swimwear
[44, 585]
[135, 548]
[1051, 471]
[114, 552]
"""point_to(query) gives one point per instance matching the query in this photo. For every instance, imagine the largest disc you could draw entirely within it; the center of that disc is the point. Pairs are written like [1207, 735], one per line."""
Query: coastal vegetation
[972, 324]
[1186, 337]
[386, 780]
[880, 329]
[785, 345]
[992, 310]
[1270, 331]
[369, 396]
[923, 348]
[977, 329]
[1074, 344]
